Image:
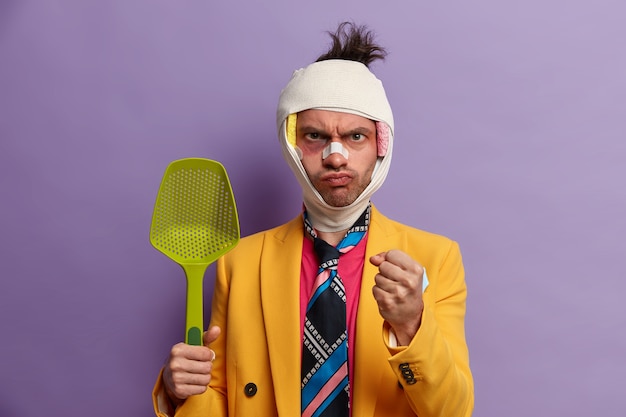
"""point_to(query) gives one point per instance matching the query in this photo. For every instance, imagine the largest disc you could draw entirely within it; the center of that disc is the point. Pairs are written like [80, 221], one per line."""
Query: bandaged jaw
[342, 86]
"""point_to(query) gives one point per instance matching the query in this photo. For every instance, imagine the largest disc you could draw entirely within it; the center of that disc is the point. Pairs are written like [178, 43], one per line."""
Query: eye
[313, 135]
[358, 137]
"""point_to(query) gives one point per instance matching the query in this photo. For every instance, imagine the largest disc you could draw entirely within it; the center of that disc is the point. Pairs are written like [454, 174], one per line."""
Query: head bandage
[341, 86]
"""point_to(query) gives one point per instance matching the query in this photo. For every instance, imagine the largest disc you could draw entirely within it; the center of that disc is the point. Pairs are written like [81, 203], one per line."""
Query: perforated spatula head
[194, 223]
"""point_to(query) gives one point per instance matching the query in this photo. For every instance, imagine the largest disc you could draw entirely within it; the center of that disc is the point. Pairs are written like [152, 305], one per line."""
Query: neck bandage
[341, 86]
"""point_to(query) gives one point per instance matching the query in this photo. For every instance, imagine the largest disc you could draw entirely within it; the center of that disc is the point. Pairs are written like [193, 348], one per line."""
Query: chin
[338, 201]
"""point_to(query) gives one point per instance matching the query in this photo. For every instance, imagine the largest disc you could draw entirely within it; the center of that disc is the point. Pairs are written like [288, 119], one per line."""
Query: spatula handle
[195, 310]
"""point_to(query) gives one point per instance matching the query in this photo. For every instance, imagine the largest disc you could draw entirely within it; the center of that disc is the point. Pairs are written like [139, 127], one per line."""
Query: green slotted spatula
[194, 223]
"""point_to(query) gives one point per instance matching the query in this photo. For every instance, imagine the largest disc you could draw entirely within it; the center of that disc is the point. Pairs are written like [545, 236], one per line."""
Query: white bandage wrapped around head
[342, 86]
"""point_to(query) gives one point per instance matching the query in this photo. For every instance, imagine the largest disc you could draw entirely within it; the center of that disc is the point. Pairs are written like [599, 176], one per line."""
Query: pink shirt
[350, 269]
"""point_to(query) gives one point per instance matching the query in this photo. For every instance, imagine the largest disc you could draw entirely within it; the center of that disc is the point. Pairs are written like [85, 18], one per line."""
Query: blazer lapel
[369, 347]
[280, 298]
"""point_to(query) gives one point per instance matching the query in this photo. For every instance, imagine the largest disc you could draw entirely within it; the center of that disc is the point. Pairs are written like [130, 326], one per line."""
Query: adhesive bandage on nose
[334, 147]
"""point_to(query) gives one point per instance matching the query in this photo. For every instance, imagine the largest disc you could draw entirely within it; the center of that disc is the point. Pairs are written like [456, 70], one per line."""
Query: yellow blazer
[256, 304]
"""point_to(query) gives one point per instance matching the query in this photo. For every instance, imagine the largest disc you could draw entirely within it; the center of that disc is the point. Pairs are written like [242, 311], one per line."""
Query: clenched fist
[398, 292]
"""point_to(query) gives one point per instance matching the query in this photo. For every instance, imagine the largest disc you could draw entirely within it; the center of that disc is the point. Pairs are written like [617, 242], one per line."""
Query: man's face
[339, 180]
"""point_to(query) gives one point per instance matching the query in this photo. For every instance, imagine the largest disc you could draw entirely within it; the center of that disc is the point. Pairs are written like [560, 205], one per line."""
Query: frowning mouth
[336, 179]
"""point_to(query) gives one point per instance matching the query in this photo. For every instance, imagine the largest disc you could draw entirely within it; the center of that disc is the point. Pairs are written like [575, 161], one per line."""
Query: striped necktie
[325, 386]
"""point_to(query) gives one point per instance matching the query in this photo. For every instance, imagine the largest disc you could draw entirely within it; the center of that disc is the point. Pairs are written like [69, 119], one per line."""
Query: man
[341, 311]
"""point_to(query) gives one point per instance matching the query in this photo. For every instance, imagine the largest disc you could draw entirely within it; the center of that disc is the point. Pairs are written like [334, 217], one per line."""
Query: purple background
[510, 138]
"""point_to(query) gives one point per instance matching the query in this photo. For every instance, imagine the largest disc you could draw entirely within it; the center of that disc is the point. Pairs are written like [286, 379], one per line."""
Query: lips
[338, 179]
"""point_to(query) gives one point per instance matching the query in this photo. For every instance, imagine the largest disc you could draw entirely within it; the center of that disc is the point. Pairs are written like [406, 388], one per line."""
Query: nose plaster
[334, 147]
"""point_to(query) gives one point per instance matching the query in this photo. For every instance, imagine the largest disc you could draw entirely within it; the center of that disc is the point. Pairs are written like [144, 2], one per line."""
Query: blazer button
[407, 374]
[250, 389]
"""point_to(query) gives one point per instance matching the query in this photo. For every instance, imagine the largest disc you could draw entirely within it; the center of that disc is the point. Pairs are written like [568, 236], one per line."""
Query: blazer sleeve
[434, 369]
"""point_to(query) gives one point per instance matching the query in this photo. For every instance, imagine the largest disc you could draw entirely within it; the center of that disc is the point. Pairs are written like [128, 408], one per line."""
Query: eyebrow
[361, 130]
[357, 130]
